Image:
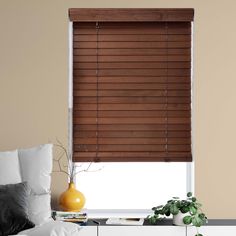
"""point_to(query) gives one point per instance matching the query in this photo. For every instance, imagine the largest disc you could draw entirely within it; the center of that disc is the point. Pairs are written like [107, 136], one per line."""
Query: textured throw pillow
[13, 209]
[39, 207]
[9, 168]
[36, 167]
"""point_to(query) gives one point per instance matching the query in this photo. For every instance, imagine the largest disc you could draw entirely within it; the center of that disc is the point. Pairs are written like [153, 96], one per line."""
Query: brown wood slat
[131, 79]
[131, 134]
[124, 148]
[127, 120]
[107, 114]
[131, 65]
[179, 141]
[121, 141]
[179, 148]
[140, 28]
[109, 29]
[120, 134]
[128, 51]
[132, 45]
[133, 148]
[85, 99]
[126, 31]
[156, 100]
[132, 127]
[162, 58]
[132, 156]
[132, 38]
[131, 141]
[134, 72]
[84, 134]
[131, 107]
[135, 93]
[132, 31]
[133, 86]
[172, 29]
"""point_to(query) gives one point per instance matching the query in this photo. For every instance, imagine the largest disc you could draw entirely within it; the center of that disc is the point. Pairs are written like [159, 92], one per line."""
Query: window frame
[190, 175]
[123, 15]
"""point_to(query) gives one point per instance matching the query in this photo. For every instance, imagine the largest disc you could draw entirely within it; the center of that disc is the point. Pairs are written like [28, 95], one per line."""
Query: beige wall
[33, 85]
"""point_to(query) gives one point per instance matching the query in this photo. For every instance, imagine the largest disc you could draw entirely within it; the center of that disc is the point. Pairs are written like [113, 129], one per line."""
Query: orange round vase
[72, 199]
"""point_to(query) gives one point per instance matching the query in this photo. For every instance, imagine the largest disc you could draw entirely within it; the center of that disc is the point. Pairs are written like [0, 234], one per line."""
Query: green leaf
[189, 194]
[178, 204]
[167, 213]
[162, 211]
[166, 210]
[174, 210]
[203, 218]
[153, 219]
[159, 207]
[192, 210]
[184, 209]
[197, 221]
[175, 198]
[198, 235]
[194, 199]
[156, 212]
[187, 220]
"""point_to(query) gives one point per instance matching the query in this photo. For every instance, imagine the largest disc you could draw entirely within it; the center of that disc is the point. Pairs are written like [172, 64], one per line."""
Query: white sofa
[34, 166]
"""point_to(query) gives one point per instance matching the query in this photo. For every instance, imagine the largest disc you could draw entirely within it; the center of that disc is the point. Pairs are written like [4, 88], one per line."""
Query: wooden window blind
[131, 91]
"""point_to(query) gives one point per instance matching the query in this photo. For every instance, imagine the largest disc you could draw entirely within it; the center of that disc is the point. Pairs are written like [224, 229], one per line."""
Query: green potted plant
[185, 212]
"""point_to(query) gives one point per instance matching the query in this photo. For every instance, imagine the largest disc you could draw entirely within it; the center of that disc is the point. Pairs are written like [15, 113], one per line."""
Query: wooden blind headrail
[131, 15]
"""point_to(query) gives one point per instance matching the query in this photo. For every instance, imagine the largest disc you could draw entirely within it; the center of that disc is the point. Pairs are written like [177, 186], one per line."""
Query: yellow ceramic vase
[72, 199]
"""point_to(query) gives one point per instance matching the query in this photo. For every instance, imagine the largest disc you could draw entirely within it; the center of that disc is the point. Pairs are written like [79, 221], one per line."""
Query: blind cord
[97, 74]
[166, 90]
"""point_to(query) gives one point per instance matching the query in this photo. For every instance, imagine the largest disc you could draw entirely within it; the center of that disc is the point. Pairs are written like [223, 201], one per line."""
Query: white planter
[178, 219]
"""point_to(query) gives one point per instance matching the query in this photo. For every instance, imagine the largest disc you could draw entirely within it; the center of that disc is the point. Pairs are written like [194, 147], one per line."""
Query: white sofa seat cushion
[9, 168]
[39, 208]
[54, 228]
[36, 167]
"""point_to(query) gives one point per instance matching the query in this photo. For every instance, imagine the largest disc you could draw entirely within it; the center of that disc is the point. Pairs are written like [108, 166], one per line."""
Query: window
[132, 104]
[132, 86]
[135, 185]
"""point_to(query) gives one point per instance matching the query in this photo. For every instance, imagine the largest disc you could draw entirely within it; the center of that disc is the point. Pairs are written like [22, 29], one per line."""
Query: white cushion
[54, 228]
[36, 167]
[9, 168]
[39, 208]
